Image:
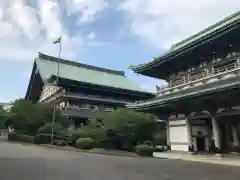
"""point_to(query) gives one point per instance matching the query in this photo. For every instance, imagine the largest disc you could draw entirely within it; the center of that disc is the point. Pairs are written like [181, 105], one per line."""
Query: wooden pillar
[235, 138]
[216, 134]
[189, 134]
[168, 133]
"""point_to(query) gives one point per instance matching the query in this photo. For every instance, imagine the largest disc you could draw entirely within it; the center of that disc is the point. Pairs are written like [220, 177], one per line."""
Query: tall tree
[3, 117]
[128, 128]
[30, 117]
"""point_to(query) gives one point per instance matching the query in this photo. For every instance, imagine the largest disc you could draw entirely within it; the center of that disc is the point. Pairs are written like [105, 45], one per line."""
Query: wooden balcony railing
[199, 76]
[78, 107]
[95, 97]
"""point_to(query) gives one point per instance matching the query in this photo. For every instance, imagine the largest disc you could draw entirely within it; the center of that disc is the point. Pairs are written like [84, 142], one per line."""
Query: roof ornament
[158, 88]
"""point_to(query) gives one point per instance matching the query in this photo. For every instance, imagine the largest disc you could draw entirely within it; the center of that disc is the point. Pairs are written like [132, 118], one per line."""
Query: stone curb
[213, 161]
[84, 151]
[79, 150]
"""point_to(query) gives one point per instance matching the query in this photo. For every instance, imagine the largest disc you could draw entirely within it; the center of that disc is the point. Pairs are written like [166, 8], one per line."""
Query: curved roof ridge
[206, 29]
[220, 25]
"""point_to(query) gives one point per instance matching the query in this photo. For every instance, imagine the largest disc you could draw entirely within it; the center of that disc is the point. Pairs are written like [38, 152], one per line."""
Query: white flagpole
[57, 82]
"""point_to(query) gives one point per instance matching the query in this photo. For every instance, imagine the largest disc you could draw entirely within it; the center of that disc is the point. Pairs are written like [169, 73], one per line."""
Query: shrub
[13, 136]
[150, 143]
[160, 140]
[42, 139]
[85, 143]
[97, 134]
[47, 128]
[26, 138]
[160, 148]
[78, 133]
[46, 138]
[144, 150]
[60, 142]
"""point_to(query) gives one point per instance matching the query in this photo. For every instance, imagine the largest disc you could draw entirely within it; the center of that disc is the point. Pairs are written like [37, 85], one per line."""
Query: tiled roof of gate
[229, 20]
[47, 66]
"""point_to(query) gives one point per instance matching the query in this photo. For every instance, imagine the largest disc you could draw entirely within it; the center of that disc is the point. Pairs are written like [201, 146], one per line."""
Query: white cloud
[26, 30]
[49, 13]
[91, 35]
[162, 23]
[86, 10]
[1, 14]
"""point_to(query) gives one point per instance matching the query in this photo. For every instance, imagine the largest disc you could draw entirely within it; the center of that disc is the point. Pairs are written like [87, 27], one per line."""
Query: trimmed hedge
[12, 136]
[46, 138]
[99, 135]
[60, 142]
[85, 143]
[144, 150]
[159, 140]
[42, 139]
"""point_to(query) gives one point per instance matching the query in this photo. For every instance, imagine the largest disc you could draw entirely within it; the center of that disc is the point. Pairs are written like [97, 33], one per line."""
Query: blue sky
[109, 33]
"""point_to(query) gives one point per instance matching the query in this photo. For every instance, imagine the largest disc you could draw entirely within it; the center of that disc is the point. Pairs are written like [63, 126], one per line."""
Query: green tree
[28, 117]
[47, 128]
[3, 117]
[126, 128]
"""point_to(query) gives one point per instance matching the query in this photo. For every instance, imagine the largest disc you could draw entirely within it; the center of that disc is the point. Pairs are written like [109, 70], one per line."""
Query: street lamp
[58, 41]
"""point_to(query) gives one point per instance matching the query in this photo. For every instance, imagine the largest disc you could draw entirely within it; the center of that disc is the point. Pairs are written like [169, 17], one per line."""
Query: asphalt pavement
[30, 162]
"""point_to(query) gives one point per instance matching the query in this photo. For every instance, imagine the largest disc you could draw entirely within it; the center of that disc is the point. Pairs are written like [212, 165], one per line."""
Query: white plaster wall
[177, 122]
[178, 134]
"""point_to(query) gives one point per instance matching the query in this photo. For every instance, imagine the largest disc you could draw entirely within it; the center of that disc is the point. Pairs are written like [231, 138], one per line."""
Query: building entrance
[200, 141]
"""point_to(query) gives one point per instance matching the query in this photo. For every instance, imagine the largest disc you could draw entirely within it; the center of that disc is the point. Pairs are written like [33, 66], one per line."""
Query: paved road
[29, 162]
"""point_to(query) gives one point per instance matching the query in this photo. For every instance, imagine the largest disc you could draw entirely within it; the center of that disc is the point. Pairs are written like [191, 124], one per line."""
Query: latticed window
[47, 91]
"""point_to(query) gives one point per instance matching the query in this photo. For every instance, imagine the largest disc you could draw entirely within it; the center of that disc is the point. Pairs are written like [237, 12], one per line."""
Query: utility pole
[58, 41]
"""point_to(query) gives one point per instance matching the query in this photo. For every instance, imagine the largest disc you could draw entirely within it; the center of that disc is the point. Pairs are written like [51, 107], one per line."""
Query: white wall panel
[178, 122]
[178, 134]
[179, 147]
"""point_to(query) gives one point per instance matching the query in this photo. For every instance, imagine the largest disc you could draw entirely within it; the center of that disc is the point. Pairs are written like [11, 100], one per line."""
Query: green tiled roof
[204, 34]
[228, 20]
[47, 66]
[194, 91]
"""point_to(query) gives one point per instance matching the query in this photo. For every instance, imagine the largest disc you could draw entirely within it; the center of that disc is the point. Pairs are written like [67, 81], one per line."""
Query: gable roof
[220, 26]
[47, 67]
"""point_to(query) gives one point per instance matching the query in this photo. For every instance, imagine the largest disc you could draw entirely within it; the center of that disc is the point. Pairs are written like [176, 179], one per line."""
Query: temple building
[201, 101]
[83, 91]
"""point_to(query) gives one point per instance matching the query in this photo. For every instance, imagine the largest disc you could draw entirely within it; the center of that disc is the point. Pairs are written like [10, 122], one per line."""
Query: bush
[78, 133]
[97, 134]
[26, 138]
[160, 148]
[85, 143]
[60, 142]
[144, 150]
[160, 140]
[46, 138]
[47, 128]
[42, 139]
[12, 136]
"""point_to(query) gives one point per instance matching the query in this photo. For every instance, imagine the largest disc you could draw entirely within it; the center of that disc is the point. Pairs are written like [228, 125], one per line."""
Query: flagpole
[57, 82]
